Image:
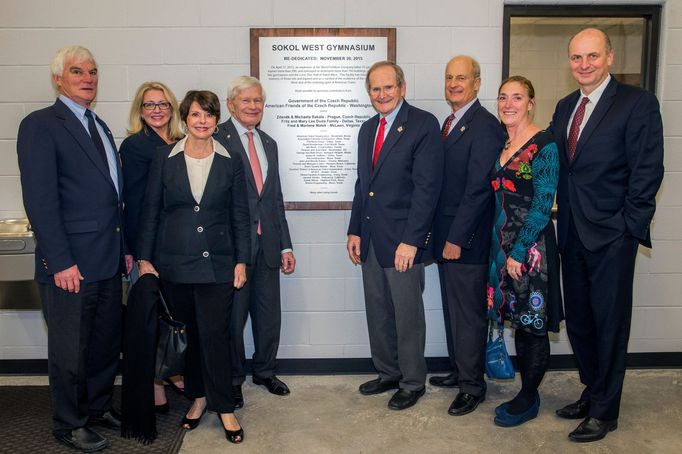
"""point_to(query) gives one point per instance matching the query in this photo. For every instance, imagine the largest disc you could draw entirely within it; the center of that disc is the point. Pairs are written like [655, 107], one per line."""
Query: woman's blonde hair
[137, 124]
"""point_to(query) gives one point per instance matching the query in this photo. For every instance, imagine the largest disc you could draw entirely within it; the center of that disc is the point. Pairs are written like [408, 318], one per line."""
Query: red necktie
[574, 132]
[446, 127]
[379, 141]
[255, 167]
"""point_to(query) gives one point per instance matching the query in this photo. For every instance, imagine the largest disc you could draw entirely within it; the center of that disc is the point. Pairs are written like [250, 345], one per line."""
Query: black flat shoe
[464, 404]
[576, 410]
[162, 409]
[404, 398]
[444, 381]
[273, 384]
[592, 429]
[233, 436]
[190, 423]
[377, 386]
[110, 419]
[83, 439]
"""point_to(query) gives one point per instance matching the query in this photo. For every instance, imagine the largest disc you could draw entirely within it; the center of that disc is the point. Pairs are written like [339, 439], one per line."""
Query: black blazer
[395, 202]
[69, 196]
[466, 205]
[137, 152]
[190, 242]
[609, 188]
[269, 206]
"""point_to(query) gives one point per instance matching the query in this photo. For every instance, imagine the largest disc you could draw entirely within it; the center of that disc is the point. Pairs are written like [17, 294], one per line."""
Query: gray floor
[326, 414]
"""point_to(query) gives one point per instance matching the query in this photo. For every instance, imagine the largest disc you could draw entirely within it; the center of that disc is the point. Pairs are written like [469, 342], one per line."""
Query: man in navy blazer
[400, 161]
[270, 240]
[473, 139]
[71, 183]
[610, 139]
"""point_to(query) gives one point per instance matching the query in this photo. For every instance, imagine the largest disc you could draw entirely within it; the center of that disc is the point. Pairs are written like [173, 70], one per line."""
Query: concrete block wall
[204, 44]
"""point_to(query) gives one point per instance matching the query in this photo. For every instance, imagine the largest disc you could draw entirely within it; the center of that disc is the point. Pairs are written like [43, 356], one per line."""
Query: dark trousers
[598, 305]
[396, 323]
[260, 298]
[205, 309]
[83, 349]
[466, 324]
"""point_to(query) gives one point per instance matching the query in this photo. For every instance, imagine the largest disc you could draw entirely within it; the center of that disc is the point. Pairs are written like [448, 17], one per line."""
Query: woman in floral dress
[523, 284]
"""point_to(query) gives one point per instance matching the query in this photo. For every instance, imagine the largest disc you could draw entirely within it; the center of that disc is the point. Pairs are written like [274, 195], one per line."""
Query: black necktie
[94, 135]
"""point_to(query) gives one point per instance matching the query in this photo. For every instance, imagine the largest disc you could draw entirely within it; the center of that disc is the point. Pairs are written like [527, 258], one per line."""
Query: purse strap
[165, 306]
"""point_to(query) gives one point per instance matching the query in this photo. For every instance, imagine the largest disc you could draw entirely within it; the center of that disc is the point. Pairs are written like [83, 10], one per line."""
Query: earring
[216, 130]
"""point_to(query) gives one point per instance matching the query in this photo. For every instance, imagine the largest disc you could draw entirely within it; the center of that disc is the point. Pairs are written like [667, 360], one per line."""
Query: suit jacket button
[200, 229]
[205, 254]
[367, 217]
[371, 194]
[117, 229]
[196, 208]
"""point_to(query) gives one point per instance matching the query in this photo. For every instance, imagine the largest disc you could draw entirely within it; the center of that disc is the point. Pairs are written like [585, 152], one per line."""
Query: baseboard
[331, 366]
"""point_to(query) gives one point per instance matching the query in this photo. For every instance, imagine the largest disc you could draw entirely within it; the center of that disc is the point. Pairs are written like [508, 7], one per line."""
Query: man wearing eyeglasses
[71, 186]
[472, 139]
[400, 160]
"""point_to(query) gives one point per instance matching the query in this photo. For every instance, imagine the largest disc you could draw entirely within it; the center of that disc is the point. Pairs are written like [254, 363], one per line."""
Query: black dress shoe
[273, 384]
[576, 410]
[377, 386]
[192, 423]
[233, 436]
[237, 396]
[110, 419]
[464, 403]
[445, 381]
[403, 399]
[83, 439]
[592, 429]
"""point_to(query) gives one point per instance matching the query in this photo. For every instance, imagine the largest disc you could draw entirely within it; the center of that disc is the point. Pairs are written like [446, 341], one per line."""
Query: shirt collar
[180, 147]
[460, 112]
[77, 109]
[390, 117]
[597, 92]
[241, 130]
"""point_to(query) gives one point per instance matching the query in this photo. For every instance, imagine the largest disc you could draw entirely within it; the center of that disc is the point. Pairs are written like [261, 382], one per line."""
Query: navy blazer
[609, 188]
[137, 152]
[466, 205]
[269, 205]
[69, 197]
[395, 202]
[190, 242]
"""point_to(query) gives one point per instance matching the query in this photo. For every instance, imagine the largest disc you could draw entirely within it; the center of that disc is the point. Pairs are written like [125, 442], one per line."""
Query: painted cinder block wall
[204, 44]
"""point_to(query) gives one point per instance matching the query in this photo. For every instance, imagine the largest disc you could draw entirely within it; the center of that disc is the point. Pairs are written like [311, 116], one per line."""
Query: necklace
[507, 144]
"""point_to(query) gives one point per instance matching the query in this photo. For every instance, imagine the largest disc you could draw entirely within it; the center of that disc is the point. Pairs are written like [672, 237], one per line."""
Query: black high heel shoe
[174, 387]
[192, 423]
[233, 436]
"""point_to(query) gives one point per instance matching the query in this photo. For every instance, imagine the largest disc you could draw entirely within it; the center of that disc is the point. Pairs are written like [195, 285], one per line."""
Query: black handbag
[171, 344]
[498, 364]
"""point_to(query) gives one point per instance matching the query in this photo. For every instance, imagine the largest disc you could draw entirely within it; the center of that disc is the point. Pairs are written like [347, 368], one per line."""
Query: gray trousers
[395, 320]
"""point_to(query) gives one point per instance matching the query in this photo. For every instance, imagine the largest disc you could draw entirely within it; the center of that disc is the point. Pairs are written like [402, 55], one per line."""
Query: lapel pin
[462, 129]
[400, 129]
[228, 136]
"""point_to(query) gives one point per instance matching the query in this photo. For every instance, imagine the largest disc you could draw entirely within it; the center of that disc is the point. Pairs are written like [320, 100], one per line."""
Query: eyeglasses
[163, 105]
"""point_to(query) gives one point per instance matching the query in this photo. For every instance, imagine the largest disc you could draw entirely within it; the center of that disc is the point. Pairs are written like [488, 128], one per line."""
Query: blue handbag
[498, 364]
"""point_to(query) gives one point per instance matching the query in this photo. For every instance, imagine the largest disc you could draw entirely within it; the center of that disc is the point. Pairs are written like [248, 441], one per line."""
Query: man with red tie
[610, 139]
[400, 162]
[472, 139]
[271, 249]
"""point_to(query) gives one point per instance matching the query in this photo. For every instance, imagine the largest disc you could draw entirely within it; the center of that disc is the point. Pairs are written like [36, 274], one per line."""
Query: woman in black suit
[194, 235]
[154, 122]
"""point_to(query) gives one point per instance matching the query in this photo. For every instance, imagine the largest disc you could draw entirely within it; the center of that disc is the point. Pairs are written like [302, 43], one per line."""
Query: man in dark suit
[400, 160]
[71, 183]
[610, 139]
[472, 138]
[270, 241]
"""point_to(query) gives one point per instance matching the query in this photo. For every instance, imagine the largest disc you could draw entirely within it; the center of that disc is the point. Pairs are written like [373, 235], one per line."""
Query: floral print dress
[524, 194]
